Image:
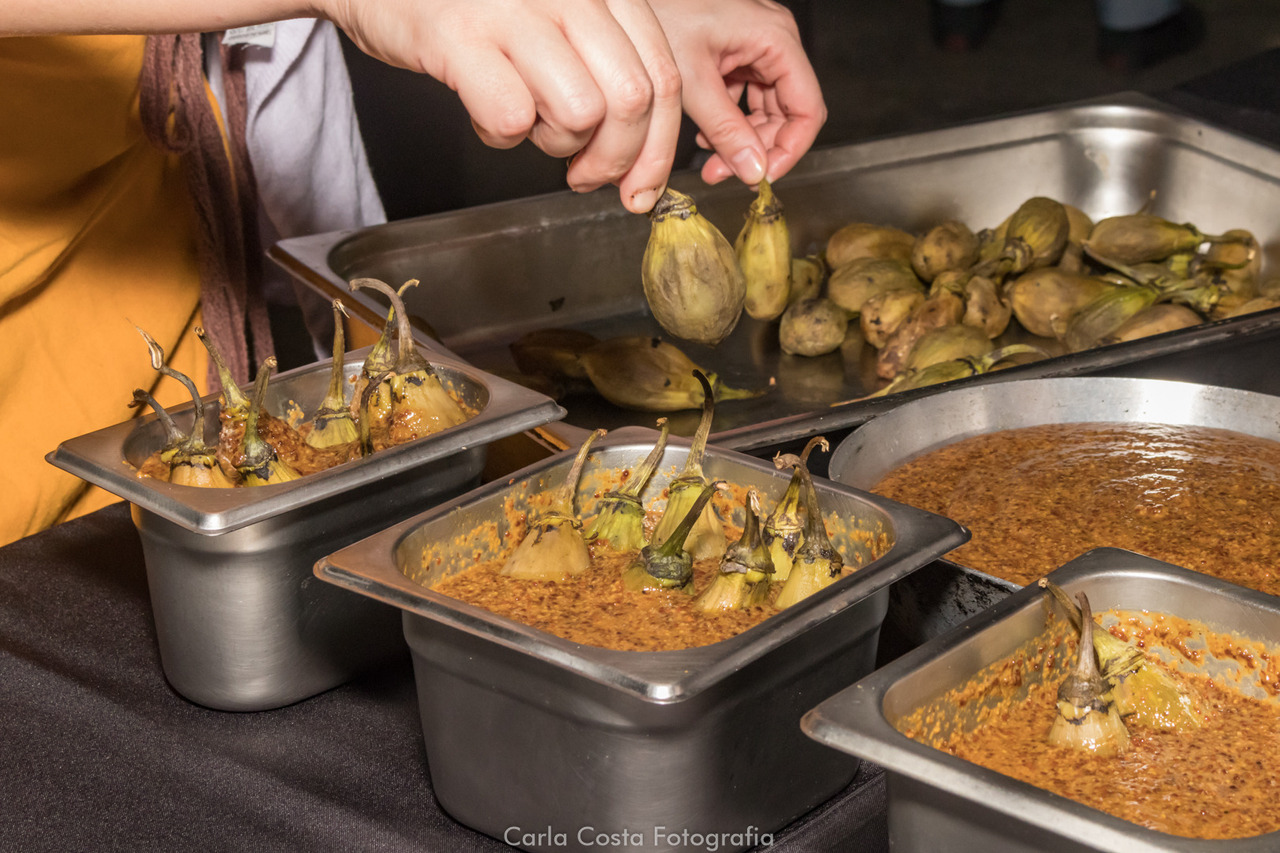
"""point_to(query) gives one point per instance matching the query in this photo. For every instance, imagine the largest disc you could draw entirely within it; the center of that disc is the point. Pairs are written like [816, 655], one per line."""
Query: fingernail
[748, 166]
[642, 201]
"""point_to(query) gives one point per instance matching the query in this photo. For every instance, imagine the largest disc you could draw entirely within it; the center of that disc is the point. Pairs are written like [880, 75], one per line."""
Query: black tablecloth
[99, 752]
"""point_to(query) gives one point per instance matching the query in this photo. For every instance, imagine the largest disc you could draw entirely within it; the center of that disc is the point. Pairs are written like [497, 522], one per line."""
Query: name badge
[260, 35]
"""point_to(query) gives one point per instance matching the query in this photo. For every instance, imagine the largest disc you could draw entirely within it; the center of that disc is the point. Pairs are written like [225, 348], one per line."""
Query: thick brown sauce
[287, 436]
[1034, 498]
[595, 609]
[1219, 781]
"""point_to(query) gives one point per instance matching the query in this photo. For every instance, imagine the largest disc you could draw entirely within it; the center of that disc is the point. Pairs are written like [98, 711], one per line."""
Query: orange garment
[97, 234]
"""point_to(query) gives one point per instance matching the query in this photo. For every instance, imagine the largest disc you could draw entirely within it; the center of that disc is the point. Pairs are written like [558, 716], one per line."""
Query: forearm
[71, 17]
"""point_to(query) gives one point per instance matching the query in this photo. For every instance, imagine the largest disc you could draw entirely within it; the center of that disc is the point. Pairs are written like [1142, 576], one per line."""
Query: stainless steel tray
[491, 273]
[525, 729]
[937, 801]
[241, 623]
[944, 593]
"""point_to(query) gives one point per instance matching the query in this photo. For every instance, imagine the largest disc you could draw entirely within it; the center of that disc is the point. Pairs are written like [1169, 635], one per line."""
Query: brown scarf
[178, 116]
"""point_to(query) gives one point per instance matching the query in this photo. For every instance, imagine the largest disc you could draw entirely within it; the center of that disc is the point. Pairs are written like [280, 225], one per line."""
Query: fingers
[753, 48]
[596, 81]
[782, 124]
[502, 108]
[739, 149]
[602, 81]
[534, 86]
[634, 146]
[785, 138]
[591, 81]
[788, 116]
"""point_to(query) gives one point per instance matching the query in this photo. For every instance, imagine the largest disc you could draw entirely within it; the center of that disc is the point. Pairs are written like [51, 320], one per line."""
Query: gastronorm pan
[242, 624]
[944, 593]
[937, 801]
[492, 272]
[549, 744]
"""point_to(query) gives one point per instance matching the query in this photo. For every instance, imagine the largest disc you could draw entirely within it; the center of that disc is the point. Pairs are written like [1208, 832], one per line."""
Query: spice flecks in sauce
[1219, 781]
[595, 608]
[1037, 497]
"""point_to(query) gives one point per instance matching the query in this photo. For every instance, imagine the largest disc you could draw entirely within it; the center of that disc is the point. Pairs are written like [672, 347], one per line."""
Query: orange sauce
[1035, 498]
[287, 436]
[595, 608]
[1219, 781]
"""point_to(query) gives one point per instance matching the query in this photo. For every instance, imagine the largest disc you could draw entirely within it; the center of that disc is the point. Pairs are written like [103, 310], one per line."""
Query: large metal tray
[526, 729]
[944, 593]
[491, 273]
[241, 623]
[937, 801]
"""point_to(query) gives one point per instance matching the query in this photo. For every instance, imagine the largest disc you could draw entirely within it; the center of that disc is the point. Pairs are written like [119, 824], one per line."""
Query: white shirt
[304, 141]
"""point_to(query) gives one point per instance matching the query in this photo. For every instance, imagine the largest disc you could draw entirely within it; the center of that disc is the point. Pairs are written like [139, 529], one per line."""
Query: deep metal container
[241, 622]
[937, 801]
[549, 744]
[945, 593]
[567, 260]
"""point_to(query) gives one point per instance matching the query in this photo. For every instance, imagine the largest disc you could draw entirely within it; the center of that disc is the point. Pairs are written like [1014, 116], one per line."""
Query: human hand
[726, 47]
[594, 80]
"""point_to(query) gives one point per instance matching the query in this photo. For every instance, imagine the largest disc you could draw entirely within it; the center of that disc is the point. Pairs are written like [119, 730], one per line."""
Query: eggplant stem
[407, 356]
[640, 474]
[568, 490]
[158, 363]
[337, 377]
[173, 435]
[693, 464]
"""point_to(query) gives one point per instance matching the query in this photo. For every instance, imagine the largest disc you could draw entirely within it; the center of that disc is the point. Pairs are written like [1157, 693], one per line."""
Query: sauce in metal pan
[1037, 497]
[596, 608]
[1218, 781]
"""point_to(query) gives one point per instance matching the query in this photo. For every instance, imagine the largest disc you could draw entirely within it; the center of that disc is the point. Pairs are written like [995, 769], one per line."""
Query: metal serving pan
[566, 742]
[938, 801]
[945, 593]
[242, 625]
[493, 272]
